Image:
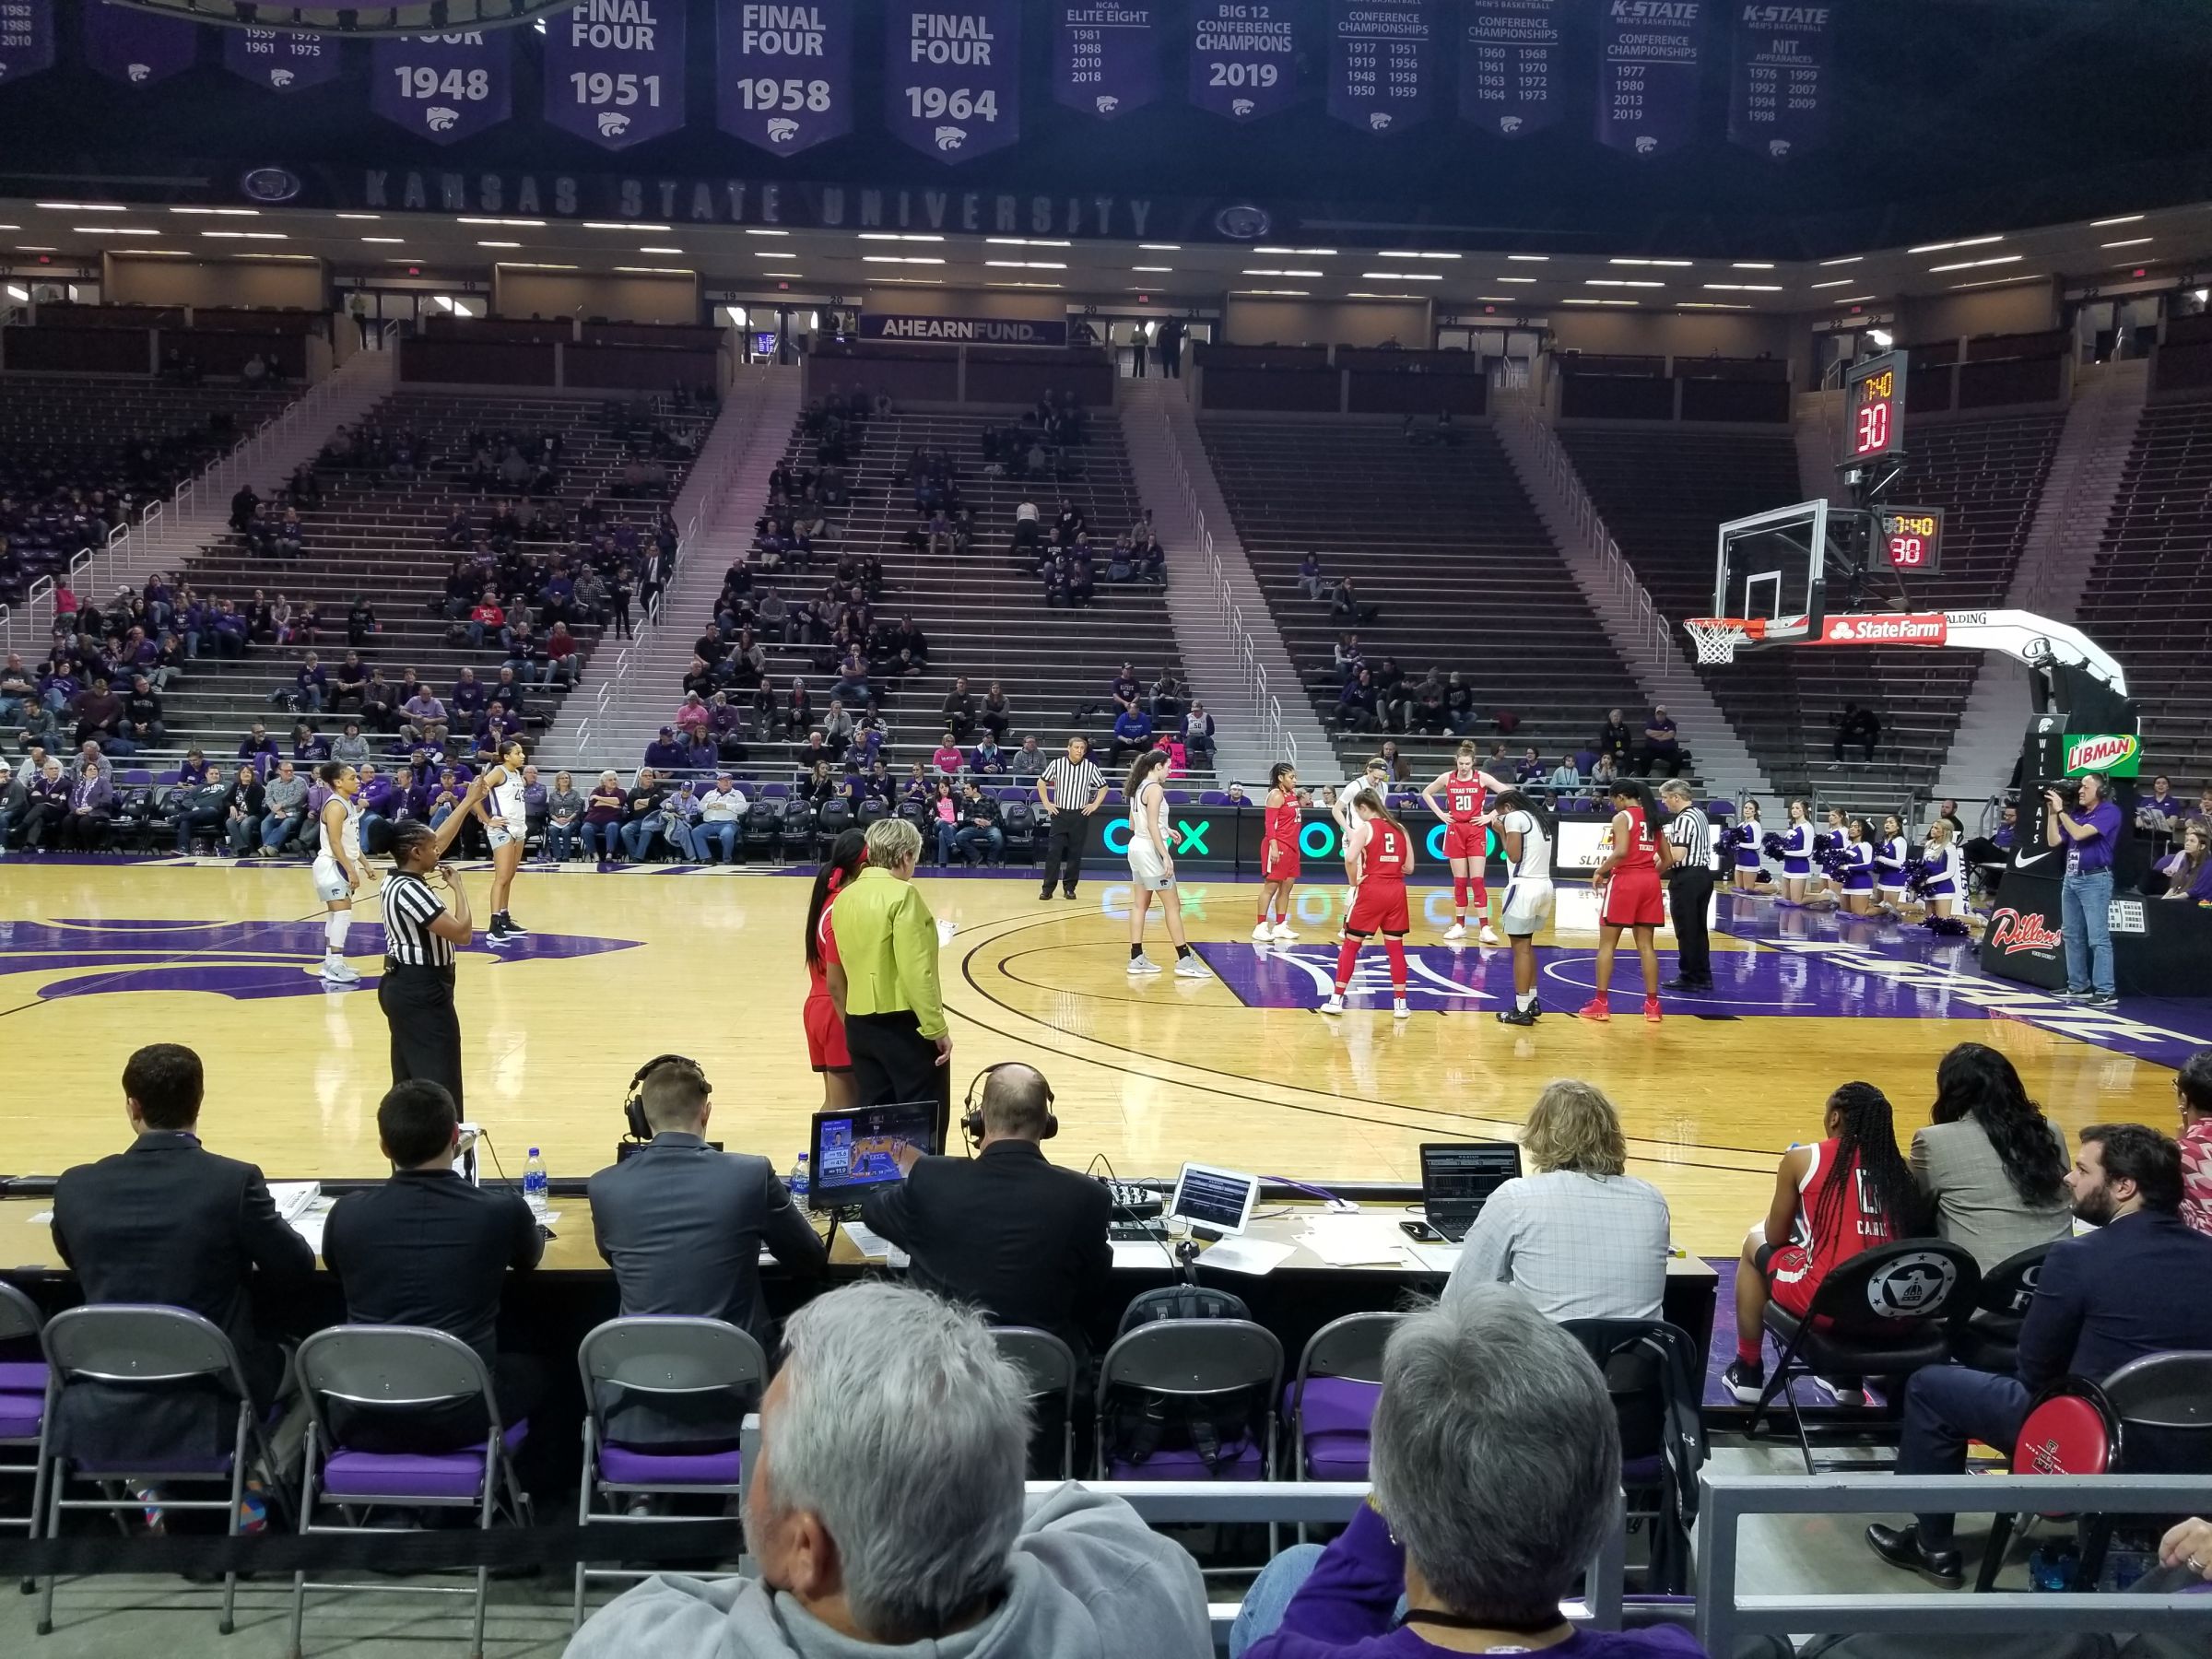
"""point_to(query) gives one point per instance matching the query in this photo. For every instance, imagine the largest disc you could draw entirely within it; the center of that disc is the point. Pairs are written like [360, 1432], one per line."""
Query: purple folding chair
[22, 1405]
[691, 1369]
[400, 1367]
[1331, 1400]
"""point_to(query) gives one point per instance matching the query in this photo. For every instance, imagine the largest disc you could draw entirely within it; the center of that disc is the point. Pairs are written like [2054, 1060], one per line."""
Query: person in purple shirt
[377, 791]
[468, 693]
[664, 753]
[1496, 1458]
[2088, 830]
[256, 744]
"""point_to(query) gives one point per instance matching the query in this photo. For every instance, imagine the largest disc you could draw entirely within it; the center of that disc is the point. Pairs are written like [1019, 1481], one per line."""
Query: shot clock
[1909, 540]
[1874, 408]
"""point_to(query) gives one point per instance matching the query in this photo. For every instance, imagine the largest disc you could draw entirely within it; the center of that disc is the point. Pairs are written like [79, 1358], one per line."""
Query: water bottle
[801, 1180]
[534, 1184]
[2052, 1567]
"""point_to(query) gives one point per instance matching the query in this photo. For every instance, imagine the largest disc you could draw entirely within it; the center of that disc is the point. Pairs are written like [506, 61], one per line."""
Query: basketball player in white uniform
[506, 821]
[338, 870]
[1528, 895]
[1152, 869]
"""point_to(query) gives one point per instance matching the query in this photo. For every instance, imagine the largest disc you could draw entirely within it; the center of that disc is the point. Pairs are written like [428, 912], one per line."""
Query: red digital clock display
[1909, 540]
[1873, 407]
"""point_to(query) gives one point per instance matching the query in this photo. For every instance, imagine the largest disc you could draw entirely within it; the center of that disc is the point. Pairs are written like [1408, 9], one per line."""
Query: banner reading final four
[615, 70]
[1509, 65]
[283, 60]
[25, 38]
[1384, 66]
[136, 46]
[1105, 58]
[1244, 57]
[952, 76]
[445, 88]
[783, 74]
[1647, 90]
[1777, 92]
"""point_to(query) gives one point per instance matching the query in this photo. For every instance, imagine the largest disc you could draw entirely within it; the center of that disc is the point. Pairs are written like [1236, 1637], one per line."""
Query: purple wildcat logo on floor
[244, 961]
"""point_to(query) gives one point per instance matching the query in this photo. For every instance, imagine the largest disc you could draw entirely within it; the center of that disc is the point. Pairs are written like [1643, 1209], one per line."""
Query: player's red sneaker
[1596, 1008]
[1651, 1010]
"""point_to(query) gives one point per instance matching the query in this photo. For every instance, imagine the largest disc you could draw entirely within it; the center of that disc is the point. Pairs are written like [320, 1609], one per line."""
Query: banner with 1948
[444, 88]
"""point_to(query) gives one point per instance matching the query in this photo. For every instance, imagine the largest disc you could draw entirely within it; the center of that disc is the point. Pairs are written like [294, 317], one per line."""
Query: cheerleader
[1945, 868]
[1749, 832]
[1830, 837]
[1858, 868]
[1889, 864]
[1798, 852]
[1278, 857]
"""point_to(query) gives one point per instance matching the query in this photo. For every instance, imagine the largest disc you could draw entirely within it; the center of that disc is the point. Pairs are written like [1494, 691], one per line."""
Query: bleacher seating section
[2150, 598]
[1446, 542]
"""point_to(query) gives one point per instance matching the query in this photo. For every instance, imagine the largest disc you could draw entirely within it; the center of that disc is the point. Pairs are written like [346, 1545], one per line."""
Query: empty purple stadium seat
[1183, 1463]
[627, 1465]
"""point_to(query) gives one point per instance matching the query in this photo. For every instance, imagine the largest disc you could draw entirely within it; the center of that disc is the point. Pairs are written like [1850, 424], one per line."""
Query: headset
[971, 1116]
[633, 1103]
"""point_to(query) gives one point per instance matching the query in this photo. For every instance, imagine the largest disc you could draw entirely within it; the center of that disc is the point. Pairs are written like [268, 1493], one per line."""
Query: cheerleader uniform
[1747, 846]
[1798, 852]
[1858, 866]
[1946, 873]
[1889, 868]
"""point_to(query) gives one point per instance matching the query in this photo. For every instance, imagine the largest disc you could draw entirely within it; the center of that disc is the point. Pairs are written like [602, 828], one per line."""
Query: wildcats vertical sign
[1105, 58]
[1776, 99]
[615, 70]
[283, 60]
[1647, 90]
[445, 88]
[952, 76]
[1244, 57]
[783, 74]
[1382, 61]
[1509, 65]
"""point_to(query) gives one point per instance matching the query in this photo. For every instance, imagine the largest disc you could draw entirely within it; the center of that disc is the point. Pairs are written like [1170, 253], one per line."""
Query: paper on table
[1357, 1240]
[292, 1197]
[874, 1246]
[1254, 1256]
[1434, 1258]
[1141, 1253]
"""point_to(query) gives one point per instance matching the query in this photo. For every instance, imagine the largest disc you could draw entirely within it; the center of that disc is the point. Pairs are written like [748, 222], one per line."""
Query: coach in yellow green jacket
[885, 981]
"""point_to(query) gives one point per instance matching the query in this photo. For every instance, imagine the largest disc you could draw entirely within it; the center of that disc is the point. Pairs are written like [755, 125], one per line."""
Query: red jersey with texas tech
[1641, 853]
[1463, 796]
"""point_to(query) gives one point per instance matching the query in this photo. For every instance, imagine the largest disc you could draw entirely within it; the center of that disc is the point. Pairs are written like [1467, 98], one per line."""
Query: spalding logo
[951, 137]
[1646, 145]
[781, 130]
[613, 124]
[1107, 106]
[439, 117]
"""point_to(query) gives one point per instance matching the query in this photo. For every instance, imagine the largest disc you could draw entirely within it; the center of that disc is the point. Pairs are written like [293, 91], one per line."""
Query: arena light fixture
[246, 236]
[393, 241]
[1998, 281]
[1025, 242]
[82, 206]
[1847, 259]
[898, 236]
[1594, 301]
[800, 276]
[1022, 285]
[1963, 241]
[1274, 271]
[522, 224]
[34, 248]
[498, 244]
[1712, 305]
[1531, 258]
[1854, 298]
[1025, 264]
[916, 281]
[1743, 288]
[1969, 265]
[627, 225]
[1397, 276]
[220, 212]
[407, 17]
[1678, 264]
[360, 215]
[2124, 218]
[656, 270]
[1363, 294]
[532, 265]
[155, 254]
[898, 259]
[1498, 298]
[749, 232]
[1530, 280]
[1619, 282]
[1272, 293]
[660, 249]
[1410, 254]
[1882, 337]
[114, 230]
[1158, 270]
[1836, 282]
[2132, 242]
[1750, 265]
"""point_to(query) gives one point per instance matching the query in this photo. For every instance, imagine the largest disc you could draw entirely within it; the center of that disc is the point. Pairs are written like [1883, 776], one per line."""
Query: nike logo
[2021, 861]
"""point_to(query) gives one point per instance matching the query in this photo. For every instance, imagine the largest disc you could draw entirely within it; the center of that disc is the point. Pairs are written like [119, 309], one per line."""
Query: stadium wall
[623, 299]
[1248, 322]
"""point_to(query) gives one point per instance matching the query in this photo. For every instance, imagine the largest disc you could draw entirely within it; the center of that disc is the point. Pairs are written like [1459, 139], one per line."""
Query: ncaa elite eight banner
[615, 70]
[1777, 90]
[1385, 63]
[1509, 65]
[445, 88]
[783, 74]
[1244, 57]
[25, 38]
[1105, 58]
[952, 76]
[1647, 90]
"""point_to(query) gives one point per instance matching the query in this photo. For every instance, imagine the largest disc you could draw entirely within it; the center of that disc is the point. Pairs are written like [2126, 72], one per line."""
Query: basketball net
[1717, 637]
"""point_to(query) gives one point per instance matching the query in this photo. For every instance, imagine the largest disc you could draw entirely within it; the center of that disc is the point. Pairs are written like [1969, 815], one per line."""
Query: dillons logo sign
[2101, 753]
[2012, 933]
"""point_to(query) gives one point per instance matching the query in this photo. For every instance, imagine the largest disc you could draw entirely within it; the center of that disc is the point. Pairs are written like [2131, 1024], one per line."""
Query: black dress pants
[893, 1062]
[1690, 894]
[426, 1031]
[1064, 845]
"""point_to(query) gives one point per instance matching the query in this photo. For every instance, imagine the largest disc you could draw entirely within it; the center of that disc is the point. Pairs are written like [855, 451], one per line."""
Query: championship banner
[952, 76]
[445, 88]
[1647, 90]
[1384, 66]
[1509, 65]
[136, 46]
[1776, 84]
[615, 70]
[783, 74]
[1105, 58]
[963, 331]
[25, 38]
[1244, 57]
[283, 60]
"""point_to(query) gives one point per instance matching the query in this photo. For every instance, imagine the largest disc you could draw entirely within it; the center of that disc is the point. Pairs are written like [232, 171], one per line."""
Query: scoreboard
[1874, 408]
[1909, 540]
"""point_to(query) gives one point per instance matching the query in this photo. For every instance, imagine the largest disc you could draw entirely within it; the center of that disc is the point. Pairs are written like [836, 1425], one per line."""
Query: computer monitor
[852, 1151]
[1214, 1200]
[1457, 1178]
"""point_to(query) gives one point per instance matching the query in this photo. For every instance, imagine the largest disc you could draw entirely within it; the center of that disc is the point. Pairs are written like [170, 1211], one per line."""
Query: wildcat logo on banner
[283, 60]
[1384, 63]
[952, 76]
[783, 74]
[446, 87]
[1777, 84]
[1105, 58]
[615, 70]
[1647, 90]
[1509, 65]
[1244, 57]
[136, 47]
[25, 38]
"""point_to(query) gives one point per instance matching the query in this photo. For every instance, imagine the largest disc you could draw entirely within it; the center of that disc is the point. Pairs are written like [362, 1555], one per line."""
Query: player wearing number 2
[1466, 837]
[1378, 856]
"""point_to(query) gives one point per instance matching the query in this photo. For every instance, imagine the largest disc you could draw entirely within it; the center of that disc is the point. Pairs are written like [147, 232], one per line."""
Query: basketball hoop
[1718, 637]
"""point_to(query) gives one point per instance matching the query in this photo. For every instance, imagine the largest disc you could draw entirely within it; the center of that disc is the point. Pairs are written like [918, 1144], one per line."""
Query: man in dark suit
[428, 1249]
[1021, 1239]
[2102, 1299]
[169, 1221]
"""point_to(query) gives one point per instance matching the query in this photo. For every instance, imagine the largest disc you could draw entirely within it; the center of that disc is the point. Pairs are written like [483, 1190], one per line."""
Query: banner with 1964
[1509, 65]
[445, 88]
[952, 76]
[1244, 57]
[783, 74]
[1105, 58]
[615, 70]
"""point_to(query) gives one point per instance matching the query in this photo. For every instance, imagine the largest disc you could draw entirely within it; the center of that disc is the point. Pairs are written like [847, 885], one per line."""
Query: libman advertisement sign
[2105, 752]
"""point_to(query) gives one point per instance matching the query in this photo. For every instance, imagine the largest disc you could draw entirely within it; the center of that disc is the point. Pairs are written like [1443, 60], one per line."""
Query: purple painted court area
[244, 961]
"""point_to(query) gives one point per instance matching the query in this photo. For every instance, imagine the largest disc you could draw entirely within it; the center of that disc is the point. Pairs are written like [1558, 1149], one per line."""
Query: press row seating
[1447, 543]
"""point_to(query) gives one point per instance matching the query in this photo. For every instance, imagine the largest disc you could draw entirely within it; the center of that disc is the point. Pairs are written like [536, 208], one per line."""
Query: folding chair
[400, 1367]
[1048, 1366]
[2164, 1404]
[22, 1404]
[2070, 1428]
[1990, 1339]
[161, 1353]
[1654, 1374]
[1331, 1402]
[696, 1369]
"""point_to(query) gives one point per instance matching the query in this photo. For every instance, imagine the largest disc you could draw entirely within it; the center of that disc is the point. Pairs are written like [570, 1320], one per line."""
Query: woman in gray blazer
[1991, 1163]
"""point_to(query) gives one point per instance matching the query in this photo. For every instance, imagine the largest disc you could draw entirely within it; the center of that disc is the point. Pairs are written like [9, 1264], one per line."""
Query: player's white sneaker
[1262, 934]
[1458, 930]
[1335, 1004]
[1488, 938]
[1282, 934]
[1142, 964]
[1190, 967]
[1399, 1010]
[337, 972]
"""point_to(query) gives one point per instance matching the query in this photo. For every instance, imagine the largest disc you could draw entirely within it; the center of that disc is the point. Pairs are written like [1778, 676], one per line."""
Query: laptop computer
[1457, 1178]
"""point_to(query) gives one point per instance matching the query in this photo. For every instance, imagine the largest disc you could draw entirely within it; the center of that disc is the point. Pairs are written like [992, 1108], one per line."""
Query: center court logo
[247, 961]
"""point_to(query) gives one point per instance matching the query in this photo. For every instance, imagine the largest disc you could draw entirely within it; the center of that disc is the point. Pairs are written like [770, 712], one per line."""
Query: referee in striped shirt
[1688, 888]
[1071, 790]
[426, 915]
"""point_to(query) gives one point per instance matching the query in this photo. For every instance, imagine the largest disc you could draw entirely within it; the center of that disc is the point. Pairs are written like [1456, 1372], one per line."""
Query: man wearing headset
[1021, 1239]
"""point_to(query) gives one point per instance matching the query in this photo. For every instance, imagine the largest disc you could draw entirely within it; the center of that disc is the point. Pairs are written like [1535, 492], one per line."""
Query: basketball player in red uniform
[1377, 857]
[1467, 834]
[824, 1015]
[1628, 895]
[1278, 857]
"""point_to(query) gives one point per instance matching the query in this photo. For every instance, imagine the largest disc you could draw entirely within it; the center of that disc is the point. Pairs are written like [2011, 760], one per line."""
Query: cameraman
[2088, 831]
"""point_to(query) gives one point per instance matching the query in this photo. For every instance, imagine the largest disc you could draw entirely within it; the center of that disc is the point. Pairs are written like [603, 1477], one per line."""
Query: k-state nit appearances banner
[1244, 57]
[783, 74]
[1778, 88]
[1647, 92]
[1105, 58]
[446, 87]
[963, 331]
[952, 76]
[615, 70]
[1386, 61]
[1509, 65]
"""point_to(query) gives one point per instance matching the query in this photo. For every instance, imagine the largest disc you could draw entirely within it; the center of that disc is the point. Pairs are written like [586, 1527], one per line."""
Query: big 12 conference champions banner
[1777, 91]
[1244, 57]
[444, 88]
[1384, 65]
[1509, 65]
[783, 74]
[1105, 58]
[25, 38]
[1647, 90]
[283, 60]
[615, 70]
[952, 75]
[137, 47]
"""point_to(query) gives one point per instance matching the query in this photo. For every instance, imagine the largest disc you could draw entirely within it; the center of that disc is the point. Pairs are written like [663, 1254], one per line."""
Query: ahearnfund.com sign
[961, 331]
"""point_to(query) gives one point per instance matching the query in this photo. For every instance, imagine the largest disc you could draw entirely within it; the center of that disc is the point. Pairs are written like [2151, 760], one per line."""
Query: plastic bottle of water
[801, 1180]
[536, 1184]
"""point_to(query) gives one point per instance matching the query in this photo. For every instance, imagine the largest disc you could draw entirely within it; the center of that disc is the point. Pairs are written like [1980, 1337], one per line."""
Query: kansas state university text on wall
[615, 70]
[952, 76]
[784, 72]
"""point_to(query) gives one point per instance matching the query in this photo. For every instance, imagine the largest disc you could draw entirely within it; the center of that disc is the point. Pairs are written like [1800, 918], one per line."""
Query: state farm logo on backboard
[1931, 628]
[2012, 933]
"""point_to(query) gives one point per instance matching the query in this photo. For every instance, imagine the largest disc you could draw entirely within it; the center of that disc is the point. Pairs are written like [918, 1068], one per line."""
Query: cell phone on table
[1422, 1232]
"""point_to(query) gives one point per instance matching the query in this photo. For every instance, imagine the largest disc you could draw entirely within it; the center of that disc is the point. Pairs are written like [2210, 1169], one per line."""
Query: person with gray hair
[887, 944]
[886, 1511]
[1497, 1468]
